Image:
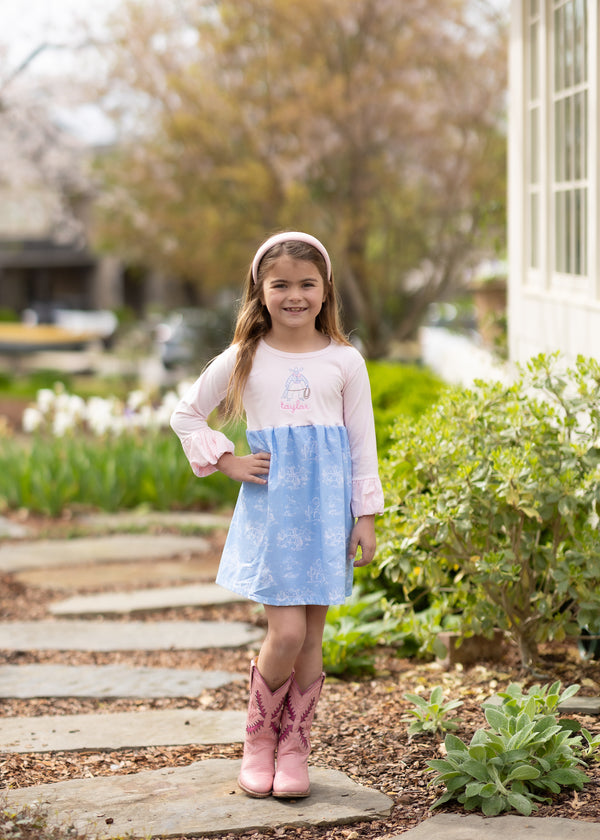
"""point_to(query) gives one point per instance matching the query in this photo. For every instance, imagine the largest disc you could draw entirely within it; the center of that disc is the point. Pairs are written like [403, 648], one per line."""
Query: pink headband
[295, 236]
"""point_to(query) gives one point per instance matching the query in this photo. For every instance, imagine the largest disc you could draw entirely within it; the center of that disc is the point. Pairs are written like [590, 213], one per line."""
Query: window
[570, 107]
[534, 134]
[557, 172]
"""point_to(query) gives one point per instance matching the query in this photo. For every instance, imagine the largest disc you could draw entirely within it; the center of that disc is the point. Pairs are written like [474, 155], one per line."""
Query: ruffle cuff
[367, 497]
[204, 448]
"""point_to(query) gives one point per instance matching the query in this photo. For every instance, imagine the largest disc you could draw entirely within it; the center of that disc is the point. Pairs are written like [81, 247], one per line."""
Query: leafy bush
[400, 391]
[494, 505]
[351, 632]
[432, 715]
[525, 755]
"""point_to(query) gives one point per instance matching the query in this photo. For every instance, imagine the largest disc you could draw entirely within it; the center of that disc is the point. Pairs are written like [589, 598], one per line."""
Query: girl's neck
[289, 342]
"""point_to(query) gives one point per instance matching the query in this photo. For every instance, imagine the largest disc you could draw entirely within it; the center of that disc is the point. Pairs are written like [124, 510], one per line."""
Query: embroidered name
[295, 406]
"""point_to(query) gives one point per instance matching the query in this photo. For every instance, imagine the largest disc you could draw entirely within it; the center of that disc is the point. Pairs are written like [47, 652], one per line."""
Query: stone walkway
[201, 799]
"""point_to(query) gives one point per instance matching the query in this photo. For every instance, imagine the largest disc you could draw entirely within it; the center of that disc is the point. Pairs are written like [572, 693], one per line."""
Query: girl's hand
[250, 468]
[363, 535]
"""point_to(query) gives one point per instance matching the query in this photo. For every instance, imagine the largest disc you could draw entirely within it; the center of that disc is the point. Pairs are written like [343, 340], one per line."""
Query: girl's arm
[202, 444]
[363, 535]
[367, 494]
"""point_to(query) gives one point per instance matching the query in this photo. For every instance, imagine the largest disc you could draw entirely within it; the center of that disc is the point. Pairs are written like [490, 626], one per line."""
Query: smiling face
[293, 292]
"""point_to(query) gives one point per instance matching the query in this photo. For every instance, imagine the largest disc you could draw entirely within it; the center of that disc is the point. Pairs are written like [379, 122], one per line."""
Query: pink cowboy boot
[262, 731]
[291, 776]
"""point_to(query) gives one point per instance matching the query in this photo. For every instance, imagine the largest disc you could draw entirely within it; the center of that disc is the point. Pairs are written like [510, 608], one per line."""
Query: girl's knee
[288, 640]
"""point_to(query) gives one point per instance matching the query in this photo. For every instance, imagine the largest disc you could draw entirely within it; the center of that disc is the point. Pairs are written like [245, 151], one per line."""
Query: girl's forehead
[286, 266]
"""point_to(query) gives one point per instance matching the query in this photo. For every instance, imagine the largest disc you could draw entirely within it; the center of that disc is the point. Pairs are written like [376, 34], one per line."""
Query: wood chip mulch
[360, 728]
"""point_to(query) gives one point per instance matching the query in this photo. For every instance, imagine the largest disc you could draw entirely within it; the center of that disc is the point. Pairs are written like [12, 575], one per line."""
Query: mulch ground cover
[360, 728]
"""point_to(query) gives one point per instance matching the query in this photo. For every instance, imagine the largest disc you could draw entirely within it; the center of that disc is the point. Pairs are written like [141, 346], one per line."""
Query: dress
[288, 539]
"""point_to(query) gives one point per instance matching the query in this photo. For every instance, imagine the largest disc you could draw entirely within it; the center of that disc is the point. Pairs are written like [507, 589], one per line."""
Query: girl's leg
[309, 661]
[286, 636]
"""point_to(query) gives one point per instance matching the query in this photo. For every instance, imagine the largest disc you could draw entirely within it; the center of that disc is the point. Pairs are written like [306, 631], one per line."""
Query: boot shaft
[297, 717]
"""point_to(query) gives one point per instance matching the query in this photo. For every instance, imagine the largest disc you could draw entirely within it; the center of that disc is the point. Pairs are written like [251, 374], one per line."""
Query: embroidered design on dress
[296, 391]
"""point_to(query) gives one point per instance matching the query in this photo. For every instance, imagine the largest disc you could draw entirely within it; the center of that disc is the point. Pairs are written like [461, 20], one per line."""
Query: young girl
[310, 488]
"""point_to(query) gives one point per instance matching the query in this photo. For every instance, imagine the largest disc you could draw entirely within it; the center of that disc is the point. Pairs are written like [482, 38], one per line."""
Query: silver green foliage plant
[526, 755]
[494, 510]
[432, 716]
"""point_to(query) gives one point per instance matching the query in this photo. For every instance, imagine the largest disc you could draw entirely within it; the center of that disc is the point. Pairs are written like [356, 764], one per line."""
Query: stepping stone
[12, 530]
[104, 681]
[572, 706]
[121, 730]
[473, 827]
[580, 706]
[47, 553]
[118, 574]
[145, 599]
[132, 635]
[198, 800]
[148, 519]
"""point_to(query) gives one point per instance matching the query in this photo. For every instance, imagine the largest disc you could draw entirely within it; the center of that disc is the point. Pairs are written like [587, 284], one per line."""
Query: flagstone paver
[13, 530]
[79, 634]
[474, 827]
[121, 730]
[201, 799]
[145, 599]
[572, 706]
[118, 574]
[104, 681]
[148, 519]
[41, 554]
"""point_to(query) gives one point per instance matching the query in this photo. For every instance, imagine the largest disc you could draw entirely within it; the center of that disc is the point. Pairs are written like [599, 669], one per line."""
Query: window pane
[580, 222]
[534, 142]
[534, 86]
[568, 42]
[559, 140]
[559, 48]
[580, 135]
[580, 40]
[559, 222]
[534, 230]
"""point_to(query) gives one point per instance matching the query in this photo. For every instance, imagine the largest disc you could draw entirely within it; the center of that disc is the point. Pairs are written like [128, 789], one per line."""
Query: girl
[310, 488]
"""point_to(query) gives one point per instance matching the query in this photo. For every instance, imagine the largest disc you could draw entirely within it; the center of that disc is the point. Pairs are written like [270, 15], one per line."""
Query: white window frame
[542, 274]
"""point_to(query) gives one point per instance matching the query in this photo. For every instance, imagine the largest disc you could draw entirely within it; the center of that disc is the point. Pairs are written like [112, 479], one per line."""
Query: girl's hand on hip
[252, 468]
[363, 535]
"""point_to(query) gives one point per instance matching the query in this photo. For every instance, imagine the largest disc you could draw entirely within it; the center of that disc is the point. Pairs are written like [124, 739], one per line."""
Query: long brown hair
[254, 321]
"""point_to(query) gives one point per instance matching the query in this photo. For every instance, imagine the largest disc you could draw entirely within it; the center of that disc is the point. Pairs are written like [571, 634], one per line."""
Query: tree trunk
[528, 650]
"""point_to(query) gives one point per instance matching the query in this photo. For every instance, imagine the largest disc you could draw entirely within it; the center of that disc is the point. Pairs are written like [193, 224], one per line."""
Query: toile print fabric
[288, 540]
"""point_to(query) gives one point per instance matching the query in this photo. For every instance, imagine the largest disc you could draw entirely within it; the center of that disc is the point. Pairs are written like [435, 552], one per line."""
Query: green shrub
[352, 631]
[494, 499]
[431, 715]
[526, 754]
[400, 391]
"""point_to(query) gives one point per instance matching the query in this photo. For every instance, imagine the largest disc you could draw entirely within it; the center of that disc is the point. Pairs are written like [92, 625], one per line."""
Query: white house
[554, 178]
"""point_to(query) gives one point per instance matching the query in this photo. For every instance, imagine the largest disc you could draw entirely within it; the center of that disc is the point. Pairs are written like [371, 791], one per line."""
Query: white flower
[136, 399]
[63, 422]
[99, 415]
[45, 399]
[32, 419]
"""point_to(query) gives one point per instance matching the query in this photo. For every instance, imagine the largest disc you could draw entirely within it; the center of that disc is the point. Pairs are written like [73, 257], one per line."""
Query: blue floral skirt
[288, 540]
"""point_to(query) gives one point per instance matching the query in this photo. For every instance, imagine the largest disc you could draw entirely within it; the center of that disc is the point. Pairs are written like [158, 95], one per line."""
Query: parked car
[191, 337]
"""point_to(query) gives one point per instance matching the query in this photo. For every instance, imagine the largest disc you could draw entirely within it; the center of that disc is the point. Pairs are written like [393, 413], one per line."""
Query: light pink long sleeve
[328, 387]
